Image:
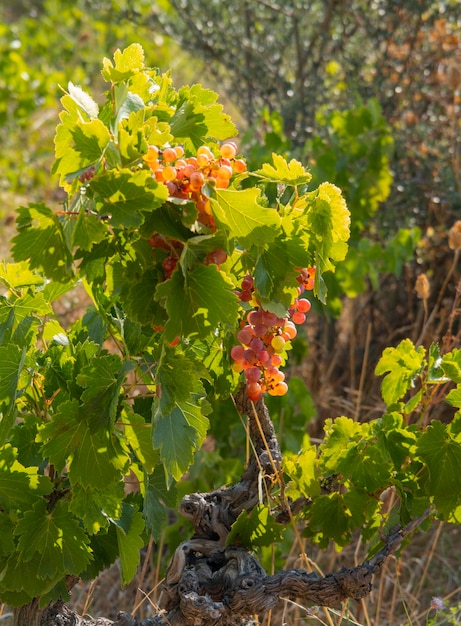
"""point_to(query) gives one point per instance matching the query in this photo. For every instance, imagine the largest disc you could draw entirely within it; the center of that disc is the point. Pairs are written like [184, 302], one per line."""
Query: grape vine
[198, 272]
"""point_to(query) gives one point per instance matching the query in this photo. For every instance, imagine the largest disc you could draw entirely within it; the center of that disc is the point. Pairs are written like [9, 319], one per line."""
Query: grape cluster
[186, 176]
[265, 338]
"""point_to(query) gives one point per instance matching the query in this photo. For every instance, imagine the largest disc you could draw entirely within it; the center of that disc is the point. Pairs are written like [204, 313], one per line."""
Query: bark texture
[209, 582]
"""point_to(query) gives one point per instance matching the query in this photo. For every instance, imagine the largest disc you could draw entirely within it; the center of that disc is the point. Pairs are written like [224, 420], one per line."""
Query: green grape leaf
[91, 458]
[365, 465]
[292, 173]
[138, 434]
[12, 360]
[274, 275]
[341, 435]
[240, 213]
[205, 299]
[454, 397]
[125, 65]
[179, 433]
[7, 545]
[130, 528]
[95, 506]
[398, 440]
[20, 487]
[198, 116]
[40, 240]
[88, 230]
[126, 196]
[328, 220]
[90, 140]
[18, 275]
[255, 529]
[302, 470]
[102, 379]
[451, 365]
[58, 539]
[83, 100]
[442, 455]
[158, 497]
[401, 366]
[328, 518]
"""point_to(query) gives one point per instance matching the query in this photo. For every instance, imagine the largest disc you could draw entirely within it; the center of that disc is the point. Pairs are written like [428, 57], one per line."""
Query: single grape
[298, 317]
[250, 356]
[245, 296]
[245, 335]
[228, 150]
[254, 391]
[169, 155]
[253, 374]
[254, 317]
[278, 343]
[260, 330]
[280, 389]
[268, 318]
[179, 150]
[169, 173]
[237, 353]
[256, 344]
[217, 257]
[239, 166]
[222, 183]
[263, 357]
[290, 329]
[247, 283]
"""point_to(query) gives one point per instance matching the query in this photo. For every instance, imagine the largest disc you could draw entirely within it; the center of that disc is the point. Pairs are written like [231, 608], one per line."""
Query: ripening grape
[303, 305]
[256, 344]
[253, 374]
[179, 150]
[239, 166]
[298, 317]
[264, 357]
[237, 353]
[225, 171]
[254, 391]
[280, 389]
[228, 150]
[250, 357]
[169, 173]
[278, 343]
[169, 155]
[290, 329]
[245, 335]
[222, 183]
[247, 283]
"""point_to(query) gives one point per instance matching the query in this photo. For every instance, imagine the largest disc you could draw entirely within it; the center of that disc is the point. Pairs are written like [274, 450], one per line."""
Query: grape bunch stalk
[265, 338]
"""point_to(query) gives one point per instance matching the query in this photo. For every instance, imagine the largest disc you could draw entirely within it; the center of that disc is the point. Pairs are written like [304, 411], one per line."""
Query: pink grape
[250, 356]
[260, 330]
[237, 353]
[254, 391]
[256, 344]
[245, 335]
[253, 374]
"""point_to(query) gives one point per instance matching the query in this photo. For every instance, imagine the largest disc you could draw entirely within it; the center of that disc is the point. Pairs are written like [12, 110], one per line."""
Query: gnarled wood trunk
[209, 582]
